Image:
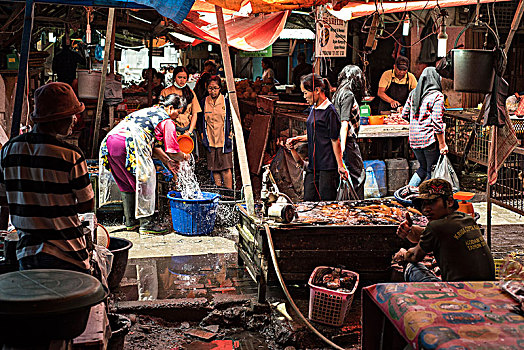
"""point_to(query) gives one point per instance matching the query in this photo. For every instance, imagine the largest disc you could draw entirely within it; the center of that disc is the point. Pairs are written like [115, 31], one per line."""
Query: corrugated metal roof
[304, 34]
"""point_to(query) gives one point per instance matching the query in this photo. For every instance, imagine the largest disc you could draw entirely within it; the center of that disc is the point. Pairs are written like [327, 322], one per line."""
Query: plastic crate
[328, 306]
[193, 217]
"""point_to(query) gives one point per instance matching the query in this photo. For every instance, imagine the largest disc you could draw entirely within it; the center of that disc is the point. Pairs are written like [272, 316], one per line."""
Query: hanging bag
[444, 170]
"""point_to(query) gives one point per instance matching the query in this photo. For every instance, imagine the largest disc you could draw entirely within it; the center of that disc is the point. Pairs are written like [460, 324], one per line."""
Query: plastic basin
[120, 249]
[193, 217]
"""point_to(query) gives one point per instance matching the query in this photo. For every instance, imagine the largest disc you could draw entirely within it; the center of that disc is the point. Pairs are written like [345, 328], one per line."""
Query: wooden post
[292, 45]
[150, 73]
[514, 26]
[22, 68]
[237, 126]
[100, 104]
[112, 73]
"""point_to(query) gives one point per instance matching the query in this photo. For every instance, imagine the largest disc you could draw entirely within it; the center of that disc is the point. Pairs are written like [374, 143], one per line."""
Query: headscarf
[428, 82]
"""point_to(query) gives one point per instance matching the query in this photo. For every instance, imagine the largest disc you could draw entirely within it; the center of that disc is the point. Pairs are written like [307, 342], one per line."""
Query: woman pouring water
[127, 153]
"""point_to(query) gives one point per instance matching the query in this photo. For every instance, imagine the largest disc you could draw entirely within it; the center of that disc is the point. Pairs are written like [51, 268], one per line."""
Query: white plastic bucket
[88, 83]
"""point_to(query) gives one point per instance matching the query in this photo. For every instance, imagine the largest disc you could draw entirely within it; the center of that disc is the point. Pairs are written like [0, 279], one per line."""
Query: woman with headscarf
[351, 90]
[425, 108]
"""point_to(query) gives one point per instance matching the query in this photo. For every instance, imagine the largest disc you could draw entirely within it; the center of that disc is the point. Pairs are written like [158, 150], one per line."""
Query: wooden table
[443, 315]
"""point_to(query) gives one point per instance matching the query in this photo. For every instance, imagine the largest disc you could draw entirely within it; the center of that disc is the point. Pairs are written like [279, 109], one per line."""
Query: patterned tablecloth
[451, 316]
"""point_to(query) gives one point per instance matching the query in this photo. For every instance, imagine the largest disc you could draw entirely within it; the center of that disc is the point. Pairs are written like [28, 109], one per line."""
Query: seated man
[453, 237]
[47, 185]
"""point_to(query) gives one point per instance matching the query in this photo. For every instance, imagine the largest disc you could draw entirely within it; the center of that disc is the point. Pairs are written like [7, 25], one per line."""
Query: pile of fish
[335, 279]
[366, 212]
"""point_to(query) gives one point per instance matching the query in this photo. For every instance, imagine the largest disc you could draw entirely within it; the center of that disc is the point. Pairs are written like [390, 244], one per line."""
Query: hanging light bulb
[442, 39]
[405, 26]
[88, 28]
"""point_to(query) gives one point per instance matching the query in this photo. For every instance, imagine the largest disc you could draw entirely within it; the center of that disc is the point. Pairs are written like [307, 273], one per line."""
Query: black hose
[288, 296]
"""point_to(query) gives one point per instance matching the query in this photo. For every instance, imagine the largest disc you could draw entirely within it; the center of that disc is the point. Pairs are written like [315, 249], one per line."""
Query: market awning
[301, 34]
[248, 34]
[266, 6]
[364, 8]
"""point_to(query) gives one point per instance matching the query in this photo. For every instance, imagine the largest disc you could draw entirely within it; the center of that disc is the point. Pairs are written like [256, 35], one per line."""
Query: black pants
[427, 157]
[353, 160]
[321, 186]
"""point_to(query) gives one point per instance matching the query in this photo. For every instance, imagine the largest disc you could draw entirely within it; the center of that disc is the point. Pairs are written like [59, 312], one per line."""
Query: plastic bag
[444, 170]
[102, 261]
[371, 189]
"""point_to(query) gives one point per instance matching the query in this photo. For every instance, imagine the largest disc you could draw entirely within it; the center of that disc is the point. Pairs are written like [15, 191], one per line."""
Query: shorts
[217, 160]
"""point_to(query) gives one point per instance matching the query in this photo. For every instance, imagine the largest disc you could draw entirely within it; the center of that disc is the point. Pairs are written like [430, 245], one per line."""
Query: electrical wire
[286, 292]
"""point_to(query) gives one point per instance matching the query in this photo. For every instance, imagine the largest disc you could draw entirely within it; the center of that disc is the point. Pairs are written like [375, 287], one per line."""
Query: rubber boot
[415, 180]
[128, 202]
[148, 225]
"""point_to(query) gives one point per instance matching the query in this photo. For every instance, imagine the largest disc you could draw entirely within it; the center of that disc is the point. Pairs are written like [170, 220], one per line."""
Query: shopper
[210, 69]
[127, 153]
[187, 120]
[47, 185]
[351, 89]
[217, 136]
[424, 109]
[323, 137]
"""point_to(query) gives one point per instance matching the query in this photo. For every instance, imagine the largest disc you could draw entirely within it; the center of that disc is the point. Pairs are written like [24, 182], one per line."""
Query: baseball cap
[402, 63]
[432, 189]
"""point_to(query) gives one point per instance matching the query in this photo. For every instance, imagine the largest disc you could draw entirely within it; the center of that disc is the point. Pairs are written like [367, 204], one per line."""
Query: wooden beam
[22, 68]
[237, 126]
[100, 104]
[514, 25]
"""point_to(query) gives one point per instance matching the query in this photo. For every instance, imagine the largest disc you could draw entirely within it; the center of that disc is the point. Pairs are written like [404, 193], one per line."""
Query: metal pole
[150, 73]
[22, 68]
[100, 105]
[237, 126]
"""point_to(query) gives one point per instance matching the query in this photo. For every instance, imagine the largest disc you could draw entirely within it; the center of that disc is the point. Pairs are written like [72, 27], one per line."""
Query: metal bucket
[88, 83]
[473, 70]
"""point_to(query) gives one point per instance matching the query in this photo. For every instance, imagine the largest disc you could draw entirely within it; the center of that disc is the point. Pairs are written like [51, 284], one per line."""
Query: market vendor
[217, 138]
[187, 120]
[323, 137]
[351, 90]
[48, 185]
[66, 61]
[425, 110]
[127, 153]
[302, 68]
[453, 237]
[268, 75]
[394, 85]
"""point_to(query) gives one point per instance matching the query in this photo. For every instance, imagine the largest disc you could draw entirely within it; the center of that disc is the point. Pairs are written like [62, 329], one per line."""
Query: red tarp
[248, 34]
[363, 8]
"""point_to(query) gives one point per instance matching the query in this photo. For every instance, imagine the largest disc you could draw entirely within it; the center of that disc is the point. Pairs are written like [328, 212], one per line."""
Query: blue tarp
[176, 10]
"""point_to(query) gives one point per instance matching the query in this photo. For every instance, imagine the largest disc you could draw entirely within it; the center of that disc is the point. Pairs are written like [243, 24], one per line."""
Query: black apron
[353, 160]
[398, 92]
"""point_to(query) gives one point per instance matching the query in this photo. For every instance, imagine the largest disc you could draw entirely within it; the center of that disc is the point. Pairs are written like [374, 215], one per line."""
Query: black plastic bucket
[120, 249]
[120, 326]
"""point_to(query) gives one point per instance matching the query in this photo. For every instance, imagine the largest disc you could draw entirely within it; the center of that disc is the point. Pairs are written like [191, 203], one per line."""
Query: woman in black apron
[351, 90]
[397, 92]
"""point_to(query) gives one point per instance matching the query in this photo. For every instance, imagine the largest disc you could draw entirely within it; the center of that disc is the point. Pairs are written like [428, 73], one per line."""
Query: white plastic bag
[444, 170]
[371, 189]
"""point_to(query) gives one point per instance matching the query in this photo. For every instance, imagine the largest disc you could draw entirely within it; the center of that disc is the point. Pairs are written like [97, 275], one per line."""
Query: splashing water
[187, 182]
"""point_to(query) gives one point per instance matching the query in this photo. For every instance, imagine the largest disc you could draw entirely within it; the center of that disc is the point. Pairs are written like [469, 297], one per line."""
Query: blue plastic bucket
[193, 217]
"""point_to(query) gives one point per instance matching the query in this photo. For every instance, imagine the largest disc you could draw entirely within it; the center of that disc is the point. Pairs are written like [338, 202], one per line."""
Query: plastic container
[413, 166]
[88, 83]
[329, 306]
[376, 119]
[498, 265]
[379, 169]
[397, 174]
[364, 120]
[186, 144]
[120, 249]
[192, 217]
[120, 326]
[12, 61]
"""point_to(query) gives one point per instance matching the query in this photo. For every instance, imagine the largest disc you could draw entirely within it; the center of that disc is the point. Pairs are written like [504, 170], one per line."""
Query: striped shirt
[427, 121]
[45, 179]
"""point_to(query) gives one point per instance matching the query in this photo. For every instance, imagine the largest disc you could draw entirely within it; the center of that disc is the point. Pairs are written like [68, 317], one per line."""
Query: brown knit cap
[55, 101]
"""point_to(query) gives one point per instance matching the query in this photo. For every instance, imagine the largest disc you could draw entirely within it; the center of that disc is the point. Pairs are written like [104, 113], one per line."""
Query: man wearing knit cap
[395, 84]
[47, 185]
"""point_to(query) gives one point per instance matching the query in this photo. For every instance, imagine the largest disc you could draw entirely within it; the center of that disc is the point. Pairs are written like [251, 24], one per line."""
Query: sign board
[158, 52]
[331, 35]
[267, 52]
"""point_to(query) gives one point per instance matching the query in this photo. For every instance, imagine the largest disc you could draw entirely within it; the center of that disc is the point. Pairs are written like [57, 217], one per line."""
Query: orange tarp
[362, 8]
[248, 33]
[266, 6]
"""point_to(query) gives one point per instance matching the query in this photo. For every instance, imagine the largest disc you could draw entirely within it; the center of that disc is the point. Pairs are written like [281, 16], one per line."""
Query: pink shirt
[166, 131]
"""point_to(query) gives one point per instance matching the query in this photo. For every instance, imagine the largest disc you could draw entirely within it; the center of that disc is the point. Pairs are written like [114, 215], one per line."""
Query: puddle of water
[190, 276]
